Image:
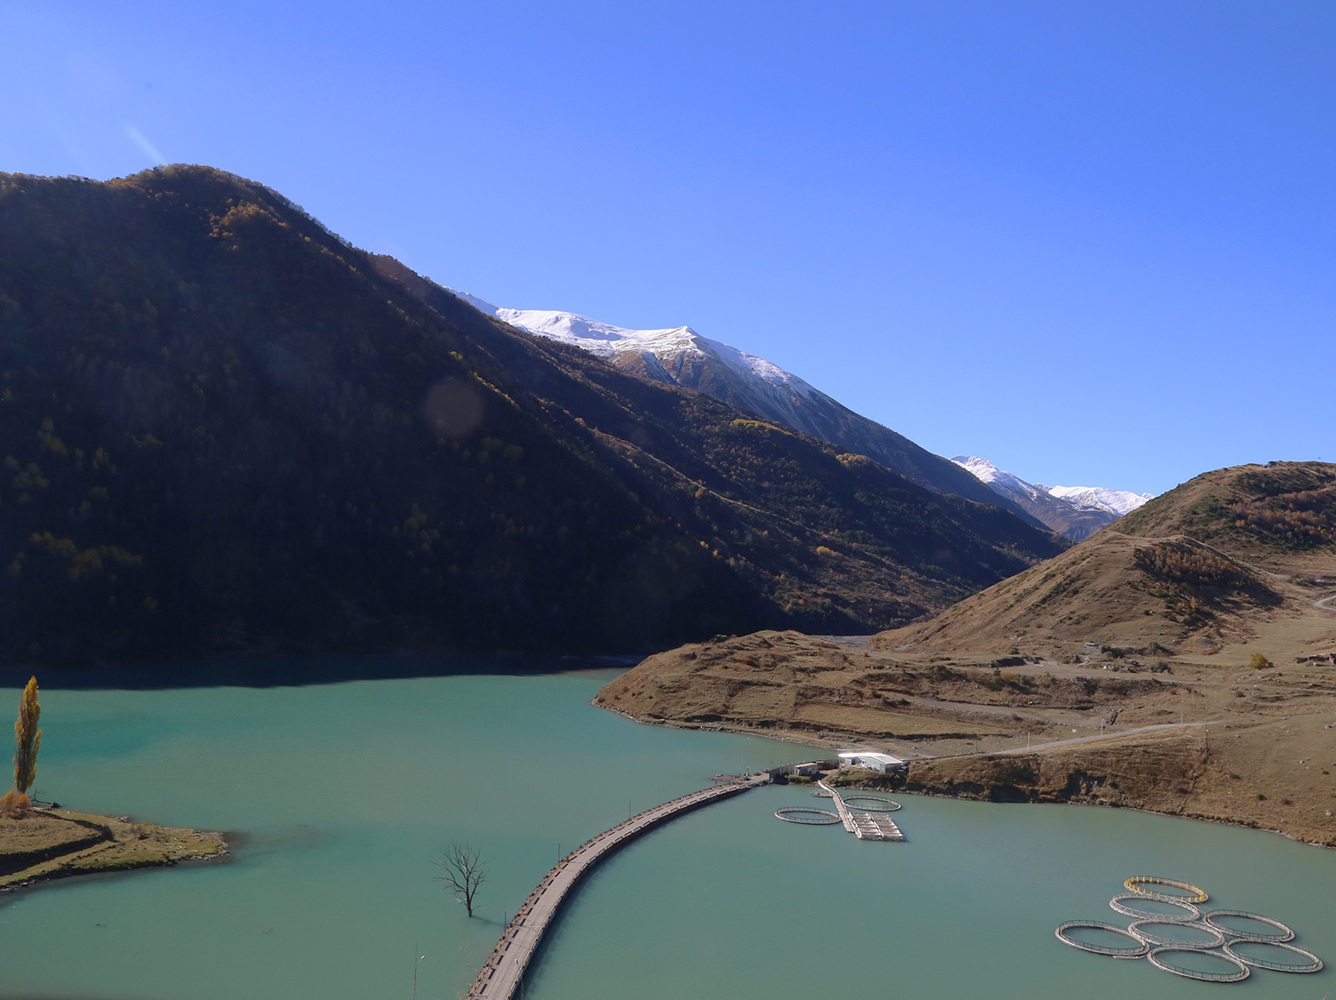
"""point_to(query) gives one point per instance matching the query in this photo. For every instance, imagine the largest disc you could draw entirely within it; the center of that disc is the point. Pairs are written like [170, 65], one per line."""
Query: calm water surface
[346, 792]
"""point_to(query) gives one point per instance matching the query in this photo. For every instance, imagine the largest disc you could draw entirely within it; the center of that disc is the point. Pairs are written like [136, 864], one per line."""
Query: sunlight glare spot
[150, 150]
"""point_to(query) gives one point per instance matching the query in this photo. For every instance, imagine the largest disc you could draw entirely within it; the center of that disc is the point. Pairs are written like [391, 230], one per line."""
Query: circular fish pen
[807, 817]
[1175, 935]
[1186, 911]
[1189, 893]
[1157, 958]
[1284, 932]
[1238, 951]
[871, 803]
[1174, 939]
[1138, 948]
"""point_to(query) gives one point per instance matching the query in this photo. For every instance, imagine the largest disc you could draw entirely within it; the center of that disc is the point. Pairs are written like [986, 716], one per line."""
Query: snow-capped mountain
[1074, 511]
[681, 356]
[1117, 502]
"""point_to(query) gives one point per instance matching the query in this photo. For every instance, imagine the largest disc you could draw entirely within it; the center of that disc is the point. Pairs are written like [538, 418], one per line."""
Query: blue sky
[1095, 243]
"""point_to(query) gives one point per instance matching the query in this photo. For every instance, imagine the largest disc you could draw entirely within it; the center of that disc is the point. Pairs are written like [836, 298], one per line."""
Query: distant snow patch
[1115, 502]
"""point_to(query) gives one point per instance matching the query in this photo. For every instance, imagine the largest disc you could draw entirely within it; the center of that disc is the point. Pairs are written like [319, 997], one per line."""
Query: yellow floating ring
[1191, 893]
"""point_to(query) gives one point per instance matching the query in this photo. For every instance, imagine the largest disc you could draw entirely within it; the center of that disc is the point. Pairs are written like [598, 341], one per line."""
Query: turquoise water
[345, 793]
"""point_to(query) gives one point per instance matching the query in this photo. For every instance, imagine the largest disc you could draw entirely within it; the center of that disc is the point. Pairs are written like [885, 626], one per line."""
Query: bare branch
[464, 870]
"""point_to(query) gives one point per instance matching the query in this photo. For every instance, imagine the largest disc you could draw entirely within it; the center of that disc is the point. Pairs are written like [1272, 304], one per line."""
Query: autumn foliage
[1192, 564]
[15, 804]
[27, 739]
[1291, 506]
[1303, 519]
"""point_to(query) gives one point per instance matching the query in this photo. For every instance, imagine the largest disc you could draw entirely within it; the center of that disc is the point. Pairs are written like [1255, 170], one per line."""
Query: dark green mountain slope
[223, 427]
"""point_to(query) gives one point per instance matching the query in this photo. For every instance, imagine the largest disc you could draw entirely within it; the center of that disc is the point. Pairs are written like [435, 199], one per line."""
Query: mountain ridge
[1076, 512]
[1204, 564]
[228, 429]
[681, 356]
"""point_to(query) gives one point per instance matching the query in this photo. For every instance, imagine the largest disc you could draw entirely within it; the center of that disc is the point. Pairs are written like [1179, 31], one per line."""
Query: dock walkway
[863, 825]
[504, 969]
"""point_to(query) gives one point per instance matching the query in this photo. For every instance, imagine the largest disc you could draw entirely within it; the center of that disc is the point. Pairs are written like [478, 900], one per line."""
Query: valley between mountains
[228, 431]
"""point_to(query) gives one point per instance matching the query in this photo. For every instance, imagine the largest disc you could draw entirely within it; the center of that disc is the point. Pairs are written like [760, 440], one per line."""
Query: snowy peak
[980, 467]
[608, 341]
[1117, 502]
[1003, 483]
[602, 339]
[1074, 511]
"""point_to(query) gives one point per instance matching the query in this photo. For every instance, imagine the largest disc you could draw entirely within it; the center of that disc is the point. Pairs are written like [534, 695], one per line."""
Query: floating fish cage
[807, 817]
[871, 803]
[1159, 936]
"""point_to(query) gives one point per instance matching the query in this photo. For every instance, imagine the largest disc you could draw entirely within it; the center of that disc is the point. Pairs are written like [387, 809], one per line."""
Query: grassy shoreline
[48, 844]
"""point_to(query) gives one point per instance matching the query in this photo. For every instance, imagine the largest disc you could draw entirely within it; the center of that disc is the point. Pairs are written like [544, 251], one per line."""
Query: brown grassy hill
[1280, 517]
[1205, 565]
[1113, 589]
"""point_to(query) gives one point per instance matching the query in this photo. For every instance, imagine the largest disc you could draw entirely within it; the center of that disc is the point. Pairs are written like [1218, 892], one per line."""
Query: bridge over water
[504, 969]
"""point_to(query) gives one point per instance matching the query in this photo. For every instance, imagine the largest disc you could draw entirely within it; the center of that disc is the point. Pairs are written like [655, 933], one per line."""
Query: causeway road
[504, 969]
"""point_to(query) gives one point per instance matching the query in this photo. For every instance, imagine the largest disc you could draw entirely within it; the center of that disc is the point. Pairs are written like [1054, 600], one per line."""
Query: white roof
[881, 758]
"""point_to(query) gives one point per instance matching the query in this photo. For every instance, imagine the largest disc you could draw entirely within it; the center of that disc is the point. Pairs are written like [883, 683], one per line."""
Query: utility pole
[415, 968]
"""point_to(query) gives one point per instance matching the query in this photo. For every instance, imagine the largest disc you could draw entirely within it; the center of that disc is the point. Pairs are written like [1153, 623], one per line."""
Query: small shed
[872, 760]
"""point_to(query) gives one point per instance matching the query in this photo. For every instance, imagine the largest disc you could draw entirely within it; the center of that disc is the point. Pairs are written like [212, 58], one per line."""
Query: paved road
[504, 969]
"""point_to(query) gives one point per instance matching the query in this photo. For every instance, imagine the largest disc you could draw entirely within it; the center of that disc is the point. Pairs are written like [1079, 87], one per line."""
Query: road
[1081, 739]
[503, 973]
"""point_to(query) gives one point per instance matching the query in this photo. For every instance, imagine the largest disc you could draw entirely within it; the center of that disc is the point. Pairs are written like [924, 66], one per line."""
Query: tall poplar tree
[27, 738]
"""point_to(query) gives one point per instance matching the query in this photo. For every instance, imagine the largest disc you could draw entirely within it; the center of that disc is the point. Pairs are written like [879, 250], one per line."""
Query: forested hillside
[222, 427]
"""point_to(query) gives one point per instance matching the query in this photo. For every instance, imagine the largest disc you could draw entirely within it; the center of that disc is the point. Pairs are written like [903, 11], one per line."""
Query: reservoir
[345, 793]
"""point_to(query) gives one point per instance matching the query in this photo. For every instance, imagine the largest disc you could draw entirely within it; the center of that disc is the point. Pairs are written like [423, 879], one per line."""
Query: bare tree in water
[464, 870]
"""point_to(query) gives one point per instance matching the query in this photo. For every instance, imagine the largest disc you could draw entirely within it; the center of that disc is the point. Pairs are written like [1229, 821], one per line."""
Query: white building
[871, 759]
